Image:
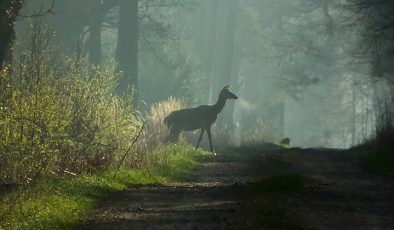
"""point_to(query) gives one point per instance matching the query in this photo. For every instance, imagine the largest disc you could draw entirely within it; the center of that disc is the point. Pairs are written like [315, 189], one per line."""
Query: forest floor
[337, 194]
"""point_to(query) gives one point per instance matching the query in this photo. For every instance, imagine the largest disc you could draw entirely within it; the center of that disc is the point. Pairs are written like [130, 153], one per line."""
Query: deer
[201, 117]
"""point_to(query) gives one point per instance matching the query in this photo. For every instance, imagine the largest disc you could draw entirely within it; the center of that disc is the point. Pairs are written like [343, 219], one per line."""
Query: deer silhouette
[201, 117]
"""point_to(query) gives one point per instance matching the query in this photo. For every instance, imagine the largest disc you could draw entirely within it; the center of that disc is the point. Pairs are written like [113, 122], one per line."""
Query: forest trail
[337, 195]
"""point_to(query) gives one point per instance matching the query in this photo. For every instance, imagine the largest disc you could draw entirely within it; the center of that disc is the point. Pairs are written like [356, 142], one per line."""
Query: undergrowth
[61, 203]
[59, 115]
[377, 154]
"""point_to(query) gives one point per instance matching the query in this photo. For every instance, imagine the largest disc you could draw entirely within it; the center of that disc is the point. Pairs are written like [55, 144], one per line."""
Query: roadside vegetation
[377, 154]
[61, 203]
[69, 138]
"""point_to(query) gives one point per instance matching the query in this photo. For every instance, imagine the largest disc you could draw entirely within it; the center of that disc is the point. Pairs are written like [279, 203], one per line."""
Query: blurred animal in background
[285, 142]
[201, 117]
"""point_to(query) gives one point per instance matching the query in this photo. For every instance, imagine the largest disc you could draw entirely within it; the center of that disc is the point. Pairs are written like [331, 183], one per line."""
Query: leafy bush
[59, 116]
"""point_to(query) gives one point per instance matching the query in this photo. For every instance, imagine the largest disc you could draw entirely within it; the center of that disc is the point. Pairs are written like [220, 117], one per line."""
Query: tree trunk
[127, 47]
[353, 121]
[210, 47]
[8, 13]
[228, 66]
[70, 34]
[94, 42]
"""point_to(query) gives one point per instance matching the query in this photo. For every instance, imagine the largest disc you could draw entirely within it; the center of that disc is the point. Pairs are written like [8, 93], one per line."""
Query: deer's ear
[226, 86]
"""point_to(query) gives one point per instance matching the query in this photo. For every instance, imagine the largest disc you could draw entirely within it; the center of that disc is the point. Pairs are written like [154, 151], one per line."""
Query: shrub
[378, 152]
[60, 116]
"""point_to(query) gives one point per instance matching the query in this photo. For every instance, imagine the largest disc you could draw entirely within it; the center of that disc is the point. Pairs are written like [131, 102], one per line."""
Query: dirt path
[341, 195]
[217, 198]
[338, 195]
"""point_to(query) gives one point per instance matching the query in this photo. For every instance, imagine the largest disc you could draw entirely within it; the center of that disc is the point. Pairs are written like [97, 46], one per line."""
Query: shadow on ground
[219, 197]
[337, 195]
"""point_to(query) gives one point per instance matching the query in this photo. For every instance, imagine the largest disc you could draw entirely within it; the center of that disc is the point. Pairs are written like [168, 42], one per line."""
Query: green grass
[62, 203]
[270, 193]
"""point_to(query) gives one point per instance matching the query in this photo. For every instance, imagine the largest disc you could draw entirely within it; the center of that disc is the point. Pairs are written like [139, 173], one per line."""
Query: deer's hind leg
[173, 136]
[200, 137]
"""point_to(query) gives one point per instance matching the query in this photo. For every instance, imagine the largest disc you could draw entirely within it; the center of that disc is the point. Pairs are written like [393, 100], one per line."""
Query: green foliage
[270, 192]
[175, 160]
[61, 203]
[58, 116]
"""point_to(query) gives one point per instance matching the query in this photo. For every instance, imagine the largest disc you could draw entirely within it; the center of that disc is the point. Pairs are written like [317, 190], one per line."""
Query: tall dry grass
[156, 129]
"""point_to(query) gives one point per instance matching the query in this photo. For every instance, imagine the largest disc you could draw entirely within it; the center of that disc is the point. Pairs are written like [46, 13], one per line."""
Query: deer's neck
[219, 105]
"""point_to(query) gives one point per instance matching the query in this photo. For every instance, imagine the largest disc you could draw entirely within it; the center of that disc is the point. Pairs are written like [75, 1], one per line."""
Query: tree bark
[8, 13]
[210, 47]
[94, 42]
[127, 47]
[229, 64]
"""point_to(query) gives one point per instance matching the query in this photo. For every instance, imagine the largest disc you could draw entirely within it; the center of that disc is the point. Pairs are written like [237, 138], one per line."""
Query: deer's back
[192, 118]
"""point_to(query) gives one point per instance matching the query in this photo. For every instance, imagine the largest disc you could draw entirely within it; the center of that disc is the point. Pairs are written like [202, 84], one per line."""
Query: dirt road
[338, 195]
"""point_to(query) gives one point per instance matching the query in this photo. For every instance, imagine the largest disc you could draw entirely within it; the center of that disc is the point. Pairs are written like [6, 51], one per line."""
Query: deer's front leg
[210, 139]
[200, 137]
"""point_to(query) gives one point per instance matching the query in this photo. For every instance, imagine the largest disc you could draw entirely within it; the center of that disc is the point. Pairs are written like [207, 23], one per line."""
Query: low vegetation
[155, 116]
[377, 154]
[61, 203]
[69, 138]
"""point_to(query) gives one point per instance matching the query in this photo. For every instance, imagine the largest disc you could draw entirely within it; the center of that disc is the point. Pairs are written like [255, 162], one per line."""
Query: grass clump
[270, 193]
[157, 130]
[61, 203]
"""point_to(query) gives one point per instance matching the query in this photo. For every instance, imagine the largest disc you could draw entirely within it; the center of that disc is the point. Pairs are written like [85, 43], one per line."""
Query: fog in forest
[196, 114]
[315, 71]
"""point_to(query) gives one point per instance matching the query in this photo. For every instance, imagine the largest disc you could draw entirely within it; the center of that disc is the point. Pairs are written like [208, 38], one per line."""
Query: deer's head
[226, 94]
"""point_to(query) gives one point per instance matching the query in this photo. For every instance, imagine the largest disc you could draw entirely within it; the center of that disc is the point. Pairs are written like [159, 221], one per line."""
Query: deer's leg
[174, 135]
[200, 137]
[210, 139]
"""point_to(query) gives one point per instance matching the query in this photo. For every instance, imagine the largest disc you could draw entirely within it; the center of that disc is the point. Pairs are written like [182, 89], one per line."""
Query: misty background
[317, 71]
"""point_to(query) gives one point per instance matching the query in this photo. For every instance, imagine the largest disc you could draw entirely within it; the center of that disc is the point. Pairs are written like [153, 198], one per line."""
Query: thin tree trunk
[230, 66]
[127, 47]
[353, 119]
[211, 47]
[94, 42]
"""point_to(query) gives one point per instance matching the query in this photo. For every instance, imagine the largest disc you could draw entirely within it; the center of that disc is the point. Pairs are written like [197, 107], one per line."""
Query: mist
[307, 70]
[196, 114]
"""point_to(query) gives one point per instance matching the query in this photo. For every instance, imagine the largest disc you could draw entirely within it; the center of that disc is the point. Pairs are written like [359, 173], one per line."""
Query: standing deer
[201, 117]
